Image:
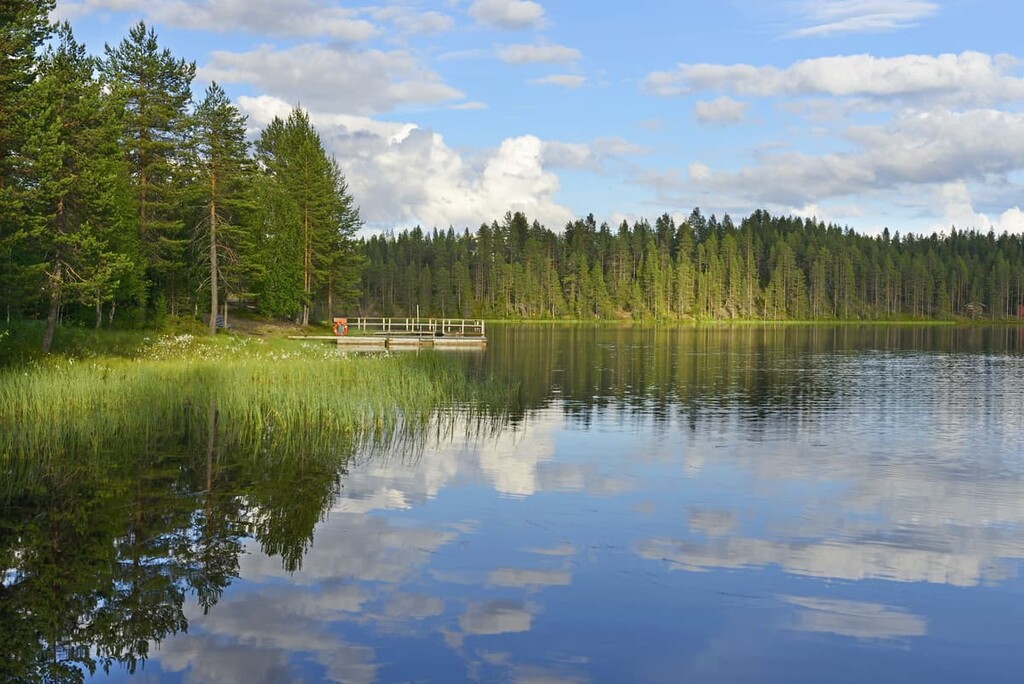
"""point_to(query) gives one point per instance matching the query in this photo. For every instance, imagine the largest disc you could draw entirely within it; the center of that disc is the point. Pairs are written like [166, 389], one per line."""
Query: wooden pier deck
[359, 334]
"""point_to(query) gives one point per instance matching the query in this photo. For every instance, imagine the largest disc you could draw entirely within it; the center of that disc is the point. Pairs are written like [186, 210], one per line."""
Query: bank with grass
[266, 396]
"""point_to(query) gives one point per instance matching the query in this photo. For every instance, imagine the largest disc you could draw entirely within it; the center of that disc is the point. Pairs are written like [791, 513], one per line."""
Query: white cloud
[563, 80]
[413, 606]
[415, 23]
[827, 17]
[68, 11]
[508, 14]
[592, 156]
[537, 54]
[333, 79]
[913, 149]
[971, 77]
[303, 18]
[468, 106]
[254, 636]
[723, 110]
[698, 171]
[652, 125]
[957, 208]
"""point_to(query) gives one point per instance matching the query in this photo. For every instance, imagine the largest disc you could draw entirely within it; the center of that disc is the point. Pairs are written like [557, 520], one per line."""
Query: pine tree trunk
[213, 254]
[307, 267]
[51, 316]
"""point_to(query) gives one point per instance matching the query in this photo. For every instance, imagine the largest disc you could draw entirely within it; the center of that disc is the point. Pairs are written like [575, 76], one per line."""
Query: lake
[748, 504]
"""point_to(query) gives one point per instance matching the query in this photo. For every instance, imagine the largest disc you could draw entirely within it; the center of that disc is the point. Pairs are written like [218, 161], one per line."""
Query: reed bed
[268, 396]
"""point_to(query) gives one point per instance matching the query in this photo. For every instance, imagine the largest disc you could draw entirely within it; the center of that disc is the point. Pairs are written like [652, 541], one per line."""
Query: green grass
[263, 395]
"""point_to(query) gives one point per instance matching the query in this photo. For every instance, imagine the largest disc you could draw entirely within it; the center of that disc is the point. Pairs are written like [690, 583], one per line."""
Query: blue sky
[869, 113]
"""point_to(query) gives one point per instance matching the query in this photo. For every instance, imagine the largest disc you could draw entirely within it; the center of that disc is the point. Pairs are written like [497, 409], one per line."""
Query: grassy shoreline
[257, 394]
[20, 343]
[757, 322]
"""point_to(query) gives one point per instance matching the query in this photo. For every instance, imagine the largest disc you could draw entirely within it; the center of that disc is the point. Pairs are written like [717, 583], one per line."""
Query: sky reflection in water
[787, 506]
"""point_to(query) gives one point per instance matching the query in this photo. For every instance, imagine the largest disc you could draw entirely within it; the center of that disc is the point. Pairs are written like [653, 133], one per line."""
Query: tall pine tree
[224, 181]
[153, 90]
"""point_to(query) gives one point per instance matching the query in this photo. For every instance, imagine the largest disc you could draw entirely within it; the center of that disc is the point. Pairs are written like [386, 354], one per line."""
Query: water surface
[779, 504]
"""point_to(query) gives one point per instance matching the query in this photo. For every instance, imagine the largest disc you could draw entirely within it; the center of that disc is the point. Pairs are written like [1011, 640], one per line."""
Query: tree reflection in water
[100, 550]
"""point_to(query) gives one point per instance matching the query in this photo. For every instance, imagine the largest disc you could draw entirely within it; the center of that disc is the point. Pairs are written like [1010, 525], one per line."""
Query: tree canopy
[121, 194]
[764, 267]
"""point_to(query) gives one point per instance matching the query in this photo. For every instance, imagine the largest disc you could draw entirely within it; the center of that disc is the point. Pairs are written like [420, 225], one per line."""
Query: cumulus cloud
[303, 18]
[914, 148]
[828, 17]
[537, 54]
[958, 210]
[966, 77]
[570, 81]
[508, 14]
[333, 79]
[723, 110]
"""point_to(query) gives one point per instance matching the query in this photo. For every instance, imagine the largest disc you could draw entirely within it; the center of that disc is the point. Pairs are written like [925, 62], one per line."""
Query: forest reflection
[655, 372]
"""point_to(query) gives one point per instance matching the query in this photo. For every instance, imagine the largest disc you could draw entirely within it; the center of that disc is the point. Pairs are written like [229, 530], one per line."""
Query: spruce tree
[75, 178]
[24, 26]
[152, 90]
[306, 221]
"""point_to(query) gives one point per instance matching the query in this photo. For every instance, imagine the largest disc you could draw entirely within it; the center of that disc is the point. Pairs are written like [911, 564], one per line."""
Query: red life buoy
[341, 326]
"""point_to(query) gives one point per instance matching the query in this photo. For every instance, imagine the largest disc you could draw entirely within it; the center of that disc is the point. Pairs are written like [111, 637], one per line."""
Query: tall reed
[257, 395]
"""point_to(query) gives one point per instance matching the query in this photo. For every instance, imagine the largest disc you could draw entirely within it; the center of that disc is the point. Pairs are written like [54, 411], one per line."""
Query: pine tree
[152, 89]
[225, 176]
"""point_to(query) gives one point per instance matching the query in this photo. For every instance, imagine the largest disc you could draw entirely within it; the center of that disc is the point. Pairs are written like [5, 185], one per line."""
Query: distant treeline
[123, 200]
[766, 267]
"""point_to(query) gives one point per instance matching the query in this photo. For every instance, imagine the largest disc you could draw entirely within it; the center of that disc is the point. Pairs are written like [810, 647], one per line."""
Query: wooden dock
[369, 334]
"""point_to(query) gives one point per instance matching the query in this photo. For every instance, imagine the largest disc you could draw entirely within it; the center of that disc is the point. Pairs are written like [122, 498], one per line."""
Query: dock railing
[417, 327]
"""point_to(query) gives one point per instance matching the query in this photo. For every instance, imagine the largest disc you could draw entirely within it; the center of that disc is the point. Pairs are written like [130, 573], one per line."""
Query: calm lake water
[780, 504]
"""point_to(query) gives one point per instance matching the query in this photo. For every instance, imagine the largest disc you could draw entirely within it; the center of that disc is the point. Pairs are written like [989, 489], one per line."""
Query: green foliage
[774, 268]
[224, 181]
[305, 221]
[118, 196]
[24, 26]
[76, 181]
[267, 394]
[151, 91]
